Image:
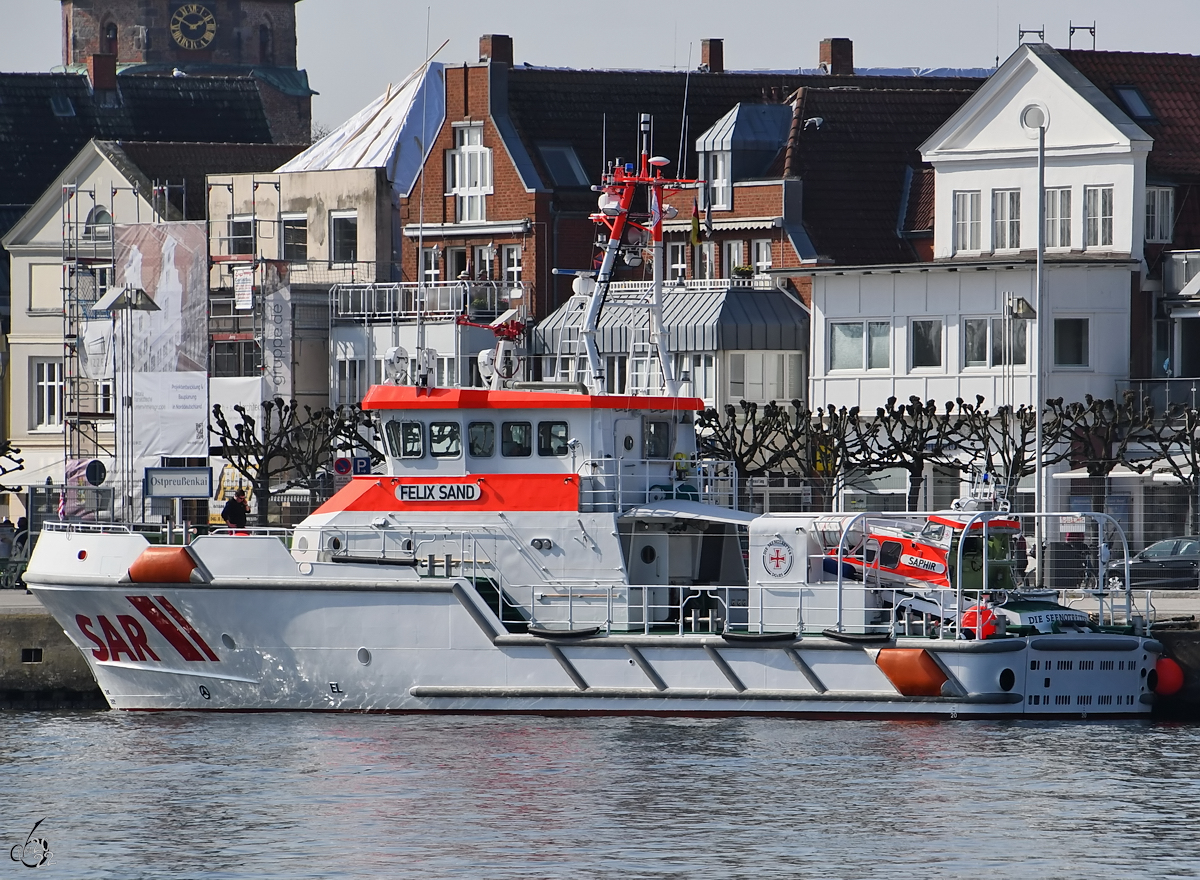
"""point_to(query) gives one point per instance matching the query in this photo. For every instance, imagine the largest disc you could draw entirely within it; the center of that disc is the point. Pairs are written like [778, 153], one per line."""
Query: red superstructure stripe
[407, 397]
[169, 632]
[183, 621]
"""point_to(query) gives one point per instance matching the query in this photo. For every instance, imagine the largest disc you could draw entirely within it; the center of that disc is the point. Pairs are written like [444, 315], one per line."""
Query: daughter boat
[557, 549]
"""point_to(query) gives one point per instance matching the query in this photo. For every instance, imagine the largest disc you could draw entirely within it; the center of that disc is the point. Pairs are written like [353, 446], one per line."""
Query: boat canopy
[682, 509]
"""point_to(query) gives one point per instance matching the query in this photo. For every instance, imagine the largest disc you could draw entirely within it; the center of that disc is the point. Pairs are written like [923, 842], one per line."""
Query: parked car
[1170, 564]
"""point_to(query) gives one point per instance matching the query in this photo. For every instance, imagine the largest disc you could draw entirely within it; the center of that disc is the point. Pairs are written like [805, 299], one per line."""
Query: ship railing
[446, 300]
[609, 485]
[855, 596]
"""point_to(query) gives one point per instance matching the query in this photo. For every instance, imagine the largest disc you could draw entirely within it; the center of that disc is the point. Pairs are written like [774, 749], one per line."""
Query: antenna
[687, 79]
[1024, 32]
[1090, 28]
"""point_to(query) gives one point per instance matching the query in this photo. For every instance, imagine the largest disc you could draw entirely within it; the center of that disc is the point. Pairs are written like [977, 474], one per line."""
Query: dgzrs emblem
[777, 558]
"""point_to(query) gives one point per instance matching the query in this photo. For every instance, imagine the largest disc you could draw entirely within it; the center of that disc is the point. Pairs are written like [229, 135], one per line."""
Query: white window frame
[334, 217]
[284, 220]
[1160, 213]
[483, 262]
[248, 220]
[677, 260]
[430, 270]
[351, 380]
[760, 255]
[513, 258]
[968, 221]
[1006, 219]
[718, 166]
[941, 344]
[46, 394]
[469, 173]
[995, 358]
[732, 255]
[1097, 222]
[708, 256]
[868, 360]
[1087, 343]
[1058, 218]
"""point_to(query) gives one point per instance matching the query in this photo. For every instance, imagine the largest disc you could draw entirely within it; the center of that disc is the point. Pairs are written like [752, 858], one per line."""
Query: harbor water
[293, 795]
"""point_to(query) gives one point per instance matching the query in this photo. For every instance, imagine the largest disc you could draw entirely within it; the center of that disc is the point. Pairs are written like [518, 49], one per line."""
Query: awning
[1119, 472]
[726, 224]
[725, 319]
[680, 509]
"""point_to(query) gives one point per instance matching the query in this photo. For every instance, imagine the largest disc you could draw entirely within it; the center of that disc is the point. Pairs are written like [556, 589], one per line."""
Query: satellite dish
[395, 365]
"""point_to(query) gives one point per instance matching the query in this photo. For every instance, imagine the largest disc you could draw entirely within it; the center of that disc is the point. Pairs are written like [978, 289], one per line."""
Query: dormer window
[563, 165]
[720, 180]
[1134, 103]
[98, 226]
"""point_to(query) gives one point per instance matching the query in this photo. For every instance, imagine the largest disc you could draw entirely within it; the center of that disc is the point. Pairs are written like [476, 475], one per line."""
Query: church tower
[202, 38]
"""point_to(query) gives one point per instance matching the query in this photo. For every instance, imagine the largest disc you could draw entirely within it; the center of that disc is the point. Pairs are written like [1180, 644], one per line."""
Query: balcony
[480, 301]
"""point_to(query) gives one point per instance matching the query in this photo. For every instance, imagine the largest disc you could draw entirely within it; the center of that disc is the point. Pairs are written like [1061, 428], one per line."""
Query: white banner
[277, 335]
[243, 288]
[170, 415]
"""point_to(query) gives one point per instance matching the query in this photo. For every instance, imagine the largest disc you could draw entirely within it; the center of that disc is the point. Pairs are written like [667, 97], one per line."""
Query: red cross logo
[777, 558]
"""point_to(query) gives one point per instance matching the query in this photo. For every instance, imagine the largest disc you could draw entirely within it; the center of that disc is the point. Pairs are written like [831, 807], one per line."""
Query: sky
[352, 49]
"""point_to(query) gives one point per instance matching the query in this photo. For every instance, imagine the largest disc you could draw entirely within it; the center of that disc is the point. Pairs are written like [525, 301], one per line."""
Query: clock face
[193, 26]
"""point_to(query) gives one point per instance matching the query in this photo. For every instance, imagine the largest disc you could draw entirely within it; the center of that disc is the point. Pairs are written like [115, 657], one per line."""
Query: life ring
[980, 620]
[682, 464]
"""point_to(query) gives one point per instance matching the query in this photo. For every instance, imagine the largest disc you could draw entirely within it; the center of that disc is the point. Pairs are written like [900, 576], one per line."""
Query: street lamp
[126, 299]
[1034, 118]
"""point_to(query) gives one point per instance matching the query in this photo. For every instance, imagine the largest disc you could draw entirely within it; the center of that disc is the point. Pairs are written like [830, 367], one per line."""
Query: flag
[655, 210]
[708, 219]
[62, 504]
[695, 222]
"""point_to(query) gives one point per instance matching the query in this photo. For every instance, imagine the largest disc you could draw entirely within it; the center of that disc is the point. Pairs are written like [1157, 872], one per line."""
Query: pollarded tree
[10, 462]
[911, 435]
[1097, 435]
[755, 441]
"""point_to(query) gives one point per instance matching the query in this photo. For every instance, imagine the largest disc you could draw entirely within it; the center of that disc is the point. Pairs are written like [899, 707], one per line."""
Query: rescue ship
[557, 549]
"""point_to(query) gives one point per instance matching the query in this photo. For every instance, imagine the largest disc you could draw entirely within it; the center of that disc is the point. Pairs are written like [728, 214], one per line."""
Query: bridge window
[658, 439]
[405, 439]
[481, 439]
[445, 439]
[552, 438]
[516, 439]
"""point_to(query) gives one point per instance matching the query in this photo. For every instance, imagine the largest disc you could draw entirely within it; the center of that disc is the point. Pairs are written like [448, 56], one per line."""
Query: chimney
[712, 56]
[102, 71]
[497, 48]
[837, 56]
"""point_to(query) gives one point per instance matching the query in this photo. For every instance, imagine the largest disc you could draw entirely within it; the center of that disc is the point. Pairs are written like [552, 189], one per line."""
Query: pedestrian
[22, 537]
[235, 510]
[8, 534]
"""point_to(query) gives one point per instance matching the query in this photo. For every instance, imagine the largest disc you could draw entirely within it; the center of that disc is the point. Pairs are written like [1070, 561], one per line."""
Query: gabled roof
[858, 167]
[45, 119]
[387, 133]
[590, 108]
[1170, 85]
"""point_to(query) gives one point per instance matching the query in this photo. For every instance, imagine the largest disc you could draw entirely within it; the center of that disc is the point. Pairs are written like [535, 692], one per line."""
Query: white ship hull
[344, 639]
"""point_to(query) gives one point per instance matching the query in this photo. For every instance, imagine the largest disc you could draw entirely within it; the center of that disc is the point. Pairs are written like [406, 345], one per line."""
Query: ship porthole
[648, 554]
[1008, 678]
[227, 641]
[335, 543]
[302, 543]
[364, 656]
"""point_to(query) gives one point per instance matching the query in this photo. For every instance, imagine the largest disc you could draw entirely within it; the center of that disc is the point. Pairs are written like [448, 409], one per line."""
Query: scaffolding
[89, 388]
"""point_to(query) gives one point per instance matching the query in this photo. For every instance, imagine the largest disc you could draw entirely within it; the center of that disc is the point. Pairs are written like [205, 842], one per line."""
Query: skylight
[1135, 104]
[563, 164]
